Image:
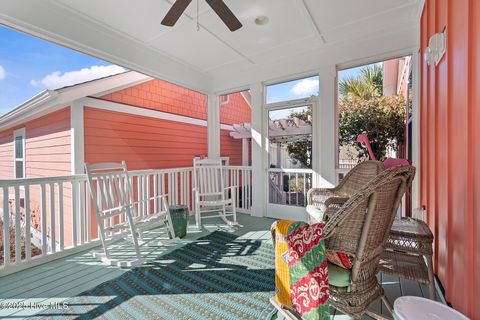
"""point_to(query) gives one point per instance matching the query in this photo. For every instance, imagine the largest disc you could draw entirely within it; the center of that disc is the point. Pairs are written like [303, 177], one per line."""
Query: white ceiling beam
[57, 24]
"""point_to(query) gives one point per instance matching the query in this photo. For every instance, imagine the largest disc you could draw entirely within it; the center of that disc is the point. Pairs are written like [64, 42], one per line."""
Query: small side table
[408, 252]
[179, 215]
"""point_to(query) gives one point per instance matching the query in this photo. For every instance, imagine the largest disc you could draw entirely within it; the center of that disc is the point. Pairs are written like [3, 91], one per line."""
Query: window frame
[18, 133]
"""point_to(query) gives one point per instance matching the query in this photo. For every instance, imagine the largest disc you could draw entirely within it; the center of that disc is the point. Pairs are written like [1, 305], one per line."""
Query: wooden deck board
[59, 280]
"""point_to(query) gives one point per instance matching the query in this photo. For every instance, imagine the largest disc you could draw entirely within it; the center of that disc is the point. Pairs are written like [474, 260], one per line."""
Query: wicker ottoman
[408, 252]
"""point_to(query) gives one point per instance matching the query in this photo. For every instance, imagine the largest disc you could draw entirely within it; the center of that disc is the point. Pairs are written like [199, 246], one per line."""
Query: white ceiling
[295, 26]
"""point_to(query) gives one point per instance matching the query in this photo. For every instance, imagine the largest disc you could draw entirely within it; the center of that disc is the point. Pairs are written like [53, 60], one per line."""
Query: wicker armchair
[319, 199]
[360, 228]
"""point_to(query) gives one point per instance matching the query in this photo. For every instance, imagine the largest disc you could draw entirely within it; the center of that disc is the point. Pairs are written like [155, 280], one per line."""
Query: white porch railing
[47, 218]
[289, 186]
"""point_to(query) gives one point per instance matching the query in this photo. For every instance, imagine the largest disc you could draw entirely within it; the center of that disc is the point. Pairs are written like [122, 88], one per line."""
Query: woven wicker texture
[355, 179]
[408, 252]
[361, 228]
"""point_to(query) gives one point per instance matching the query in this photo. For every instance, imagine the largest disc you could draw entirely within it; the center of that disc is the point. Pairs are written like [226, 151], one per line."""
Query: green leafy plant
[381, 118]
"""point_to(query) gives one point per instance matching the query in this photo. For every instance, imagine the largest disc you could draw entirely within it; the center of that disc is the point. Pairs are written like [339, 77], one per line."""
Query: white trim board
[124, 108]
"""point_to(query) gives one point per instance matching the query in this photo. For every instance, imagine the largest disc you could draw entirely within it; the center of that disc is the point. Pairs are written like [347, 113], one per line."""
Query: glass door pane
[290, 155]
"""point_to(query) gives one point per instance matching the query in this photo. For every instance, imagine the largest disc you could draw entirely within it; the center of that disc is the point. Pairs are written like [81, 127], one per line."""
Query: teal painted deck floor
[59, 280]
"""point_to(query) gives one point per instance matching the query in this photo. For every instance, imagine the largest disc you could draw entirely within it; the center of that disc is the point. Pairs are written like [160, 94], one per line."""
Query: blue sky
[29, 65]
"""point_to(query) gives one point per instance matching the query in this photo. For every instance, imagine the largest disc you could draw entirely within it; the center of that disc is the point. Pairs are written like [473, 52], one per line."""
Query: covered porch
[300, 39]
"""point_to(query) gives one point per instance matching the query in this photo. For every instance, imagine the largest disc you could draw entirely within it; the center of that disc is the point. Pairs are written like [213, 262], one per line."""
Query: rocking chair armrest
[231, 187]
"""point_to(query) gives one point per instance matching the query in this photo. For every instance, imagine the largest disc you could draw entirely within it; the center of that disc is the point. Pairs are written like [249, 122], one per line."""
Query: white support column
[259, 145]
[213, 126]
[77, 137]
[245, 152]
[325, 127]
[416, 130]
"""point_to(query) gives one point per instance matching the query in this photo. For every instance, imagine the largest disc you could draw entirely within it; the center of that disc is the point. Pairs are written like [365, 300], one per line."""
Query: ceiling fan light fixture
[261, 20]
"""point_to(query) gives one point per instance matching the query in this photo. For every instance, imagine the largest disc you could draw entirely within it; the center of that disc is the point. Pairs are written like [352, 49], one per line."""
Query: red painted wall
[143, 142]
[163, 96]
[235, 110]
[450, 127]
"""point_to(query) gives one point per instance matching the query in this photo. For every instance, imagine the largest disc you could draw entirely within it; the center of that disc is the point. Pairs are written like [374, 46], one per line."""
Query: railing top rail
[83, 177]
[238, 167]
[290, 170]
[40, 180]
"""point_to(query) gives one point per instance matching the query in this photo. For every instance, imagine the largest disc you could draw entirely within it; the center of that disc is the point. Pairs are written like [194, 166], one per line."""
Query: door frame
[279, 211]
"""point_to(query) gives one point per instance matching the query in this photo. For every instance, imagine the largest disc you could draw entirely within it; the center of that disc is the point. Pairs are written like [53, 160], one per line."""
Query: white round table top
[417, 308]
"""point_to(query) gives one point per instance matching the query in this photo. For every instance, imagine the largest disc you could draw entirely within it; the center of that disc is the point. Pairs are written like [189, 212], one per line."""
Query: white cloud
[57, 80]
[2, 73]
[305, 88]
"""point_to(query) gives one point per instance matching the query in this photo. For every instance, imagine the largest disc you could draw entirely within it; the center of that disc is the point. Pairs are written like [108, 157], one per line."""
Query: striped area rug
[215, 277]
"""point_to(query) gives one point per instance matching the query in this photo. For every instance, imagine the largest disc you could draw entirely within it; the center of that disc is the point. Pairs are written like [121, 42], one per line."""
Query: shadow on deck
[221, 272]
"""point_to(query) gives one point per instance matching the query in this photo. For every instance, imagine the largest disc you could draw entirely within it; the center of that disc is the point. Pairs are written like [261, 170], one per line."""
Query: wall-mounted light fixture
[437, 45]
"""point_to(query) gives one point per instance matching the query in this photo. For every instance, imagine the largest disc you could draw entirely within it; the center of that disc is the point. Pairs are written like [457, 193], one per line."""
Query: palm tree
[368, 84]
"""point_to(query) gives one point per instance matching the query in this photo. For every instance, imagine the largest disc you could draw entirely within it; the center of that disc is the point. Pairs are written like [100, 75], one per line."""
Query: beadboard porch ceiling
[301, 35]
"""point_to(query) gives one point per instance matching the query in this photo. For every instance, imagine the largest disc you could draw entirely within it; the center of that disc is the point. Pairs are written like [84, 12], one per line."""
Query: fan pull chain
[198, 23]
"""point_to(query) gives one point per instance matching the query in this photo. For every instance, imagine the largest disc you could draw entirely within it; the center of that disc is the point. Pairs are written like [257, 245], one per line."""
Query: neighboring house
[149, 123]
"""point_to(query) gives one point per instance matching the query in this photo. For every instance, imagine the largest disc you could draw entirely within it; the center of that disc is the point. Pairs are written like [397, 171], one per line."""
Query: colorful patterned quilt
[301, 277]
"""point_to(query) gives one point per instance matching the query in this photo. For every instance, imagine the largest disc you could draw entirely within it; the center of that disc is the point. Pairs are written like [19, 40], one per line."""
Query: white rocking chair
[116, 211]
[210, 193]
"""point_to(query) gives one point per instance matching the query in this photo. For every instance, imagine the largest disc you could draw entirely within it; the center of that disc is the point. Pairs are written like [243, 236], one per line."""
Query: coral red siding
[143, 142]
[47, 147]
[450, 126]
[47, 153]
[230, 147]
[163, 96]
[236, 110]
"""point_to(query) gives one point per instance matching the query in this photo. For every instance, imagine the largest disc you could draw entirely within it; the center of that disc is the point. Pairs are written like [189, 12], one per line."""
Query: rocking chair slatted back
[210, 193]
[208, 177]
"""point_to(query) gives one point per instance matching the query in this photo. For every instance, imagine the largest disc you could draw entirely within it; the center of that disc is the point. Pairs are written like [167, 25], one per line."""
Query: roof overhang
[52, 100]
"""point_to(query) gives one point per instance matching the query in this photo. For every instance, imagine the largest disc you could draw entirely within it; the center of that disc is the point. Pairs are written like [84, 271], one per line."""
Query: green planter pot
[179, 215]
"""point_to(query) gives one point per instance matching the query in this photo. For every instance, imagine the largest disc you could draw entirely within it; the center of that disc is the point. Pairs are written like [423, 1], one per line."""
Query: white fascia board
[23, 111]
[56, 22]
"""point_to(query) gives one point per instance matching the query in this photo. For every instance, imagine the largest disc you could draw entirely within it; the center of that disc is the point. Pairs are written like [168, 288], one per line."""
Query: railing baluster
[52, 218]
[155, 193]
[81, 211]
[18, 231]
[61, 224]
[28, 246]
[6, 228]
[43, 218]
[74, 212]
[88, 212]
[304, 189]
[296, 188]
[148, 196]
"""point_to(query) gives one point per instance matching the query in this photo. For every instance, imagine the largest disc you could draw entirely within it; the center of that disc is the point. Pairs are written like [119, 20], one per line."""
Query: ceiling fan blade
[175, 12]
[225, 14]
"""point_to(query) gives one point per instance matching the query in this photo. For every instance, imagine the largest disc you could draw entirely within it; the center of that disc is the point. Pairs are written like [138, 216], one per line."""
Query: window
[19, 150]
[293, 90]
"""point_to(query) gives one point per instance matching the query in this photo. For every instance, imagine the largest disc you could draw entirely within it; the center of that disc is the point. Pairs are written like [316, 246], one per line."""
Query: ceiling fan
[218, 6]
